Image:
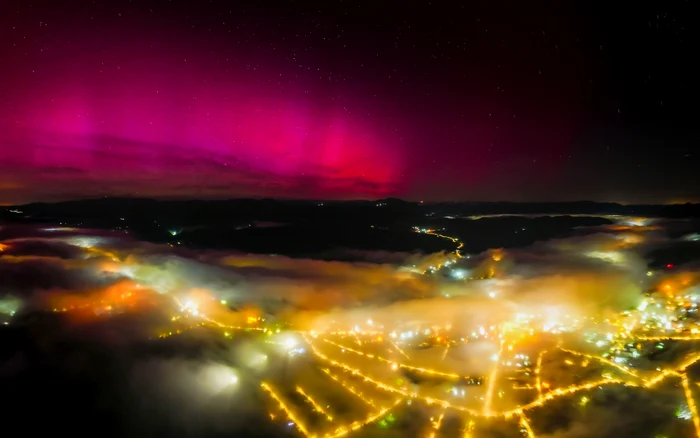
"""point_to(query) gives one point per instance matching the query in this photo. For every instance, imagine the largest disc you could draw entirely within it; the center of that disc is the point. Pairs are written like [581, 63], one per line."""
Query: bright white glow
[84, 241]
[637, 222]
[218, 377]
[9, 306]
[459, 273]
[607, 256]
[296, 352]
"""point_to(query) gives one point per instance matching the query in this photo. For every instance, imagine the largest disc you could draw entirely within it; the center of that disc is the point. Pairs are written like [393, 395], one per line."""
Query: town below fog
[366, 319]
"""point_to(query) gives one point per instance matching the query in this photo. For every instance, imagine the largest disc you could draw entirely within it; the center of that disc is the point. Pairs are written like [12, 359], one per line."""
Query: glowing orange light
[526, 426]
[691, 404]
[497, 255]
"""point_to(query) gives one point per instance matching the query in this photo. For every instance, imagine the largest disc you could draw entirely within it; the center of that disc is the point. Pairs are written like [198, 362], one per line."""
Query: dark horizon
[348, 200]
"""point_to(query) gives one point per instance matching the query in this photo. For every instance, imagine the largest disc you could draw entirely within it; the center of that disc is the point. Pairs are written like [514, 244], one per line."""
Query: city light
[459, 273]
[379, 361]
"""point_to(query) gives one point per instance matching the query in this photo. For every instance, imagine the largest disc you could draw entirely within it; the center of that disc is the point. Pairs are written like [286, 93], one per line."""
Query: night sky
[437, 100]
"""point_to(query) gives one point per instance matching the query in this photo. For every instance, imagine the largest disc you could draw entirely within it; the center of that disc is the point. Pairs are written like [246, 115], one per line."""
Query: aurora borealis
[170, 126]
[335, 101]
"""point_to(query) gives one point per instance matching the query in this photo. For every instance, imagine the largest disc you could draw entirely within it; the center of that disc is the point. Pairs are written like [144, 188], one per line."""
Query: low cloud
[92, 315]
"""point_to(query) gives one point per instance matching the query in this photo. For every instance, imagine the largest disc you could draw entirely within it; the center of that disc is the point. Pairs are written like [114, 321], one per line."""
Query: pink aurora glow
[173, 126]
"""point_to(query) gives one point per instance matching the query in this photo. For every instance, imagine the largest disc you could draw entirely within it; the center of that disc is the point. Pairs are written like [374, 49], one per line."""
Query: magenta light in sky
[172, 126]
